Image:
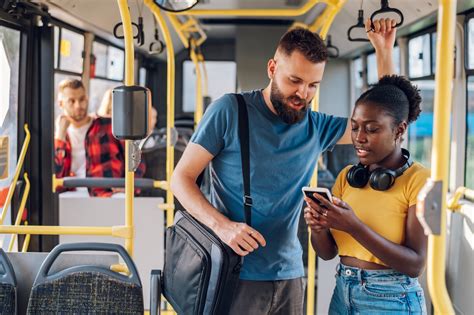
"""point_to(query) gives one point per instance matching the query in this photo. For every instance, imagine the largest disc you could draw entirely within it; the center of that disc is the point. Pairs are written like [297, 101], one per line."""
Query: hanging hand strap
[245, 156]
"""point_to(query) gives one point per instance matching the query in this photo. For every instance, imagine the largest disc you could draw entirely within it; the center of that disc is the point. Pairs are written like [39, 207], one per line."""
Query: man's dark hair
[307, 43]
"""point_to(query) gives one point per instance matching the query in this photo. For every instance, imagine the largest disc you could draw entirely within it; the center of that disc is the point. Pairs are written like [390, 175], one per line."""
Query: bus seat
[7, 285]
[86, 289]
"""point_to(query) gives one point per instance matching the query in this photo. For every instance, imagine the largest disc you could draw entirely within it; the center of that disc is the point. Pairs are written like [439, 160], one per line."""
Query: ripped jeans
[360, 291]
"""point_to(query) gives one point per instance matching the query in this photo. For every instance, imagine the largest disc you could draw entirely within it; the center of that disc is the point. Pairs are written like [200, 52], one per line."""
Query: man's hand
[242, 238]
[382, 36]
[61, 125]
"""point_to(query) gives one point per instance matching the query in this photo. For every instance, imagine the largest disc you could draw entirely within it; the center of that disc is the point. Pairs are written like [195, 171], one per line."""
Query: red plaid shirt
[105, 155]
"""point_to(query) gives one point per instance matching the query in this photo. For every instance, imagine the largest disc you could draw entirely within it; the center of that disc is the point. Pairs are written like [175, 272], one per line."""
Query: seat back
[86, 289]
[7, 285]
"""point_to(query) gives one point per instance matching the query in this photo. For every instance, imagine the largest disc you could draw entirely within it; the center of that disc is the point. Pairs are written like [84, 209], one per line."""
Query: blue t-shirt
[282, 160]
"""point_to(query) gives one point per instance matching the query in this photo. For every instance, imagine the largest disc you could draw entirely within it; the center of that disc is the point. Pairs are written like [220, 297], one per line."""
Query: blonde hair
[105, 108]
[70, 83]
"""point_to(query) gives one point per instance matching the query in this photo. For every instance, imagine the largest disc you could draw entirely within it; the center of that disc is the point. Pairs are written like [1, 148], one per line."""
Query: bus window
[419, 58]
[420, 132]
[98, 87]
[71, 46]
[116, 58]
[470, 132]
[372, 76]
[9, 77]
[222, 78]
[109, 72]
[396, 59]
[469, 170]
[358, 78]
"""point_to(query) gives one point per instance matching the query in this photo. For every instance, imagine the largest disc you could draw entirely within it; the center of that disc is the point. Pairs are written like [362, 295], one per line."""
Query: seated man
[84, 145]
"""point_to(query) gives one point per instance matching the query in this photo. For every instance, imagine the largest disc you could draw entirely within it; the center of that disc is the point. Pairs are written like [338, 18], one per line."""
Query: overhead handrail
[105, 182]
[21, 210]
[385, 8]
[432, 198]
[187, 30]
[258, 12]
[19, 166]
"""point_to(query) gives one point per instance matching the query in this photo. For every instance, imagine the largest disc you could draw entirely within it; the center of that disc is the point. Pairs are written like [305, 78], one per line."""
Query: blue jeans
[360, 291]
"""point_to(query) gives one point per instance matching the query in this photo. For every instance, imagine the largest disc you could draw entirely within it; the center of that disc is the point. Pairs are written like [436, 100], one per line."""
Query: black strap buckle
[248, 201]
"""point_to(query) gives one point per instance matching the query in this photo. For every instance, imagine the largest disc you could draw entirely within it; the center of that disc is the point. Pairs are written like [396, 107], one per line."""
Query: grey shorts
[269, 297]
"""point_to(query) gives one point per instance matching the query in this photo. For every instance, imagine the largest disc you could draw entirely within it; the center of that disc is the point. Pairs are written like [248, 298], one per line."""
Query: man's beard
[284, 111]
[78, 117]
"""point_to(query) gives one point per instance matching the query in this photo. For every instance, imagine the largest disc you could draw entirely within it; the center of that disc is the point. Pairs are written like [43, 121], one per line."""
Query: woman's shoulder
[419, 170]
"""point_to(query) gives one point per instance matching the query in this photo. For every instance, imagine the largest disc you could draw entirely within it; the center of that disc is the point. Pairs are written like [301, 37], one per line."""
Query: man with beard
[84, 145]
[286, 139]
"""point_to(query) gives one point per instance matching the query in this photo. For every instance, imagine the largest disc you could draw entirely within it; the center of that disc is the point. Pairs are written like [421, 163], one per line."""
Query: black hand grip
[384, 9]
[360, 24]
[137, 29]
[156, 48]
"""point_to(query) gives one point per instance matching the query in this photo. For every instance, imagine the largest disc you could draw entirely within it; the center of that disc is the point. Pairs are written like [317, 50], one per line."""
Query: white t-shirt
[77, 137]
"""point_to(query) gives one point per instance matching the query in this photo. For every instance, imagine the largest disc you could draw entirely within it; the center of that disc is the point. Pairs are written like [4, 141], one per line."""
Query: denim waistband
[382, 275]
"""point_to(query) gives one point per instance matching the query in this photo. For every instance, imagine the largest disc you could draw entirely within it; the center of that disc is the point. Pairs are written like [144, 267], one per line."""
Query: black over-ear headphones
[379, 179]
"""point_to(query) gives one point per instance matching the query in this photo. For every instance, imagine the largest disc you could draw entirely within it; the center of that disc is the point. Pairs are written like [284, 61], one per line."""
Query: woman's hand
[383, 34]
[337, 215]
[314, 220]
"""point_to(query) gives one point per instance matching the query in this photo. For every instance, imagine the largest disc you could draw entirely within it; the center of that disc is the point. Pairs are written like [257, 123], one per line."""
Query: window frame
[61, 25]
[102, 41]
[469, 71]
[429, 30]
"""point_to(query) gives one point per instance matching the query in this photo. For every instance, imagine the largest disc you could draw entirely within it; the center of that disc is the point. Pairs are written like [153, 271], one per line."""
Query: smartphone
[309, 191]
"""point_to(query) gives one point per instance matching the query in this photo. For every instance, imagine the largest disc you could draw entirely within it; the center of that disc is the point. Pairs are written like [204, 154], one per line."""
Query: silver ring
[325, 213]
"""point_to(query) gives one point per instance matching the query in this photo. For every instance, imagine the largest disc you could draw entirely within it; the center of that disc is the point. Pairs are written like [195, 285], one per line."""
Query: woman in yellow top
[371, 223]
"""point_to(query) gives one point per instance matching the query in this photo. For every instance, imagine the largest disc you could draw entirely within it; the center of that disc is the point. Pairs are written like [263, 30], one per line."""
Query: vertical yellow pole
[170, 107]
[20, 210]
[129, 81]
[19, 165]
[440, 153]
[26, 242]
[310, 298]
[198, 111]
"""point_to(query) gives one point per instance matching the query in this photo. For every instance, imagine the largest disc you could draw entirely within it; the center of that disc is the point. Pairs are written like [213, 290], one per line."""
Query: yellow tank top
[384, 212]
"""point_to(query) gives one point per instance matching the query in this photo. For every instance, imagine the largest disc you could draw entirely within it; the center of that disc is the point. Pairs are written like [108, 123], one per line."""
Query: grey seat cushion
[86, 293]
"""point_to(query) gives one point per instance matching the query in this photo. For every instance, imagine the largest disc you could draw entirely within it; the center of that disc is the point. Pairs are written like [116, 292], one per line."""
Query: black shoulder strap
[245, 155]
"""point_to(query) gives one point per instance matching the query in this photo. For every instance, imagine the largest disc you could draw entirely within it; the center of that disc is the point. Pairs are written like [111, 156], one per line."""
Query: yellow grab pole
[178, 27]
[19, 165]
[255, 12]
[20, 210]
[129, 81]
[26, 242]
[440, 156]
[170, 106]
[205, 88]
[310, 298]
[59, 230]
[198, 111]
